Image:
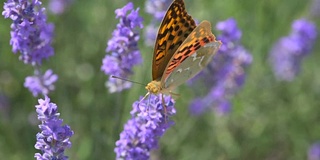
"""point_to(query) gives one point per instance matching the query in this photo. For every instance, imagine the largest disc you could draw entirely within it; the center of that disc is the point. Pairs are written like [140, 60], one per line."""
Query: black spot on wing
[173, 45]
[161, 36]
[171, 37]
[197, 46]
[206, 40]
[176, 28]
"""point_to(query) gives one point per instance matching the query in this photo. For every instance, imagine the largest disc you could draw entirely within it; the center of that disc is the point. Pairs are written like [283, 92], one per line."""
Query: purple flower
[156, 8]
[230, 34]
[148, 123]
[287, 54]
[225, 74]
[4, 107]
[150, 34]
[315, 8]
[123, 47]
[59, 6]
[31, 36]
[41, 84]
[30, 33]
[54, 137]
[314, 152]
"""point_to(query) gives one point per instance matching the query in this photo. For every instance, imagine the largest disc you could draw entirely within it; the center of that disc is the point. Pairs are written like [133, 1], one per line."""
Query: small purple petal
[122, 12]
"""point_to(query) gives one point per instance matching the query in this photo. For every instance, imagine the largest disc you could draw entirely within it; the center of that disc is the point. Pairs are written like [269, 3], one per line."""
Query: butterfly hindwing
[191, 57]
[174, 29]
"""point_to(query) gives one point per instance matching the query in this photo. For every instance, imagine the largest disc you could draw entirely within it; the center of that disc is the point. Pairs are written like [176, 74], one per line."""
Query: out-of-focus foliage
[269, 119]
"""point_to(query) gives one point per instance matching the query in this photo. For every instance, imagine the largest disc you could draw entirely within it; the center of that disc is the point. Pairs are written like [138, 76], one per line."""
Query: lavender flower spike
[142, 132]
[30, 33]
[54, 137]
[123, 47]
[287, 54]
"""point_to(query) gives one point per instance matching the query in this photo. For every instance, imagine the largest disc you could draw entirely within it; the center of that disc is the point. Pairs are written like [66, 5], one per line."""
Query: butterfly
[182, 49]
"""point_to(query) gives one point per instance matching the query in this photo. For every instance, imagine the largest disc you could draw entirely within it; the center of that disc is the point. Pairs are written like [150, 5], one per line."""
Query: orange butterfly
[181, 50]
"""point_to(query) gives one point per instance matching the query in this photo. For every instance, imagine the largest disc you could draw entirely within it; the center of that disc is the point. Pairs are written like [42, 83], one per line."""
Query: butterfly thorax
[154, 86]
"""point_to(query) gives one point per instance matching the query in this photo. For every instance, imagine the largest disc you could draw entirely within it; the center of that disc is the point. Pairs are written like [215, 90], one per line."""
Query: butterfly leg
[174, 95]
[164, 108]
[144, 99]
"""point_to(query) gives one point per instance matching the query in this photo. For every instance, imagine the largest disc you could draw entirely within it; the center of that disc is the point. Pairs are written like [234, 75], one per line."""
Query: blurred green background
[269, 120]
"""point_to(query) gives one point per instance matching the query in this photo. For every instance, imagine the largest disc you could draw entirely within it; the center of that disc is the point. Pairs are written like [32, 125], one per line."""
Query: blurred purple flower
[31, 35]
[225, 74]
[41, 84]
[230, 34]
[150, 34]
[123, 47]
[314, 152]
[315, 8]
[156, 8]
[142, 132]
[59, 6]
[287, 54]
[54, 137]
[4, 107]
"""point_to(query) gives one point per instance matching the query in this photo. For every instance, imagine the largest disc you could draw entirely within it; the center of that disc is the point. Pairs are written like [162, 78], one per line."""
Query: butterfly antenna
[124, 79]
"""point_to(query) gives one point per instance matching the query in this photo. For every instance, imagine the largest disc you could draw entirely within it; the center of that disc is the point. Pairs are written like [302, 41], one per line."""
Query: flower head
[227, 68]
[123, 47]
[41, 84]
[157, 8]
[59, 6]
[148, 123]
[54, 137]
[230, 34]
[31, 35]
[315, 9]
[287, 54]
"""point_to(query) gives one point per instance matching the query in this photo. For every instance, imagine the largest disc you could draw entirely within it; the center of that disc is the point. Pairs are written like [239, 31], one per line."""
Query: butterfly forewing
[191, 57]
[174, 29]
